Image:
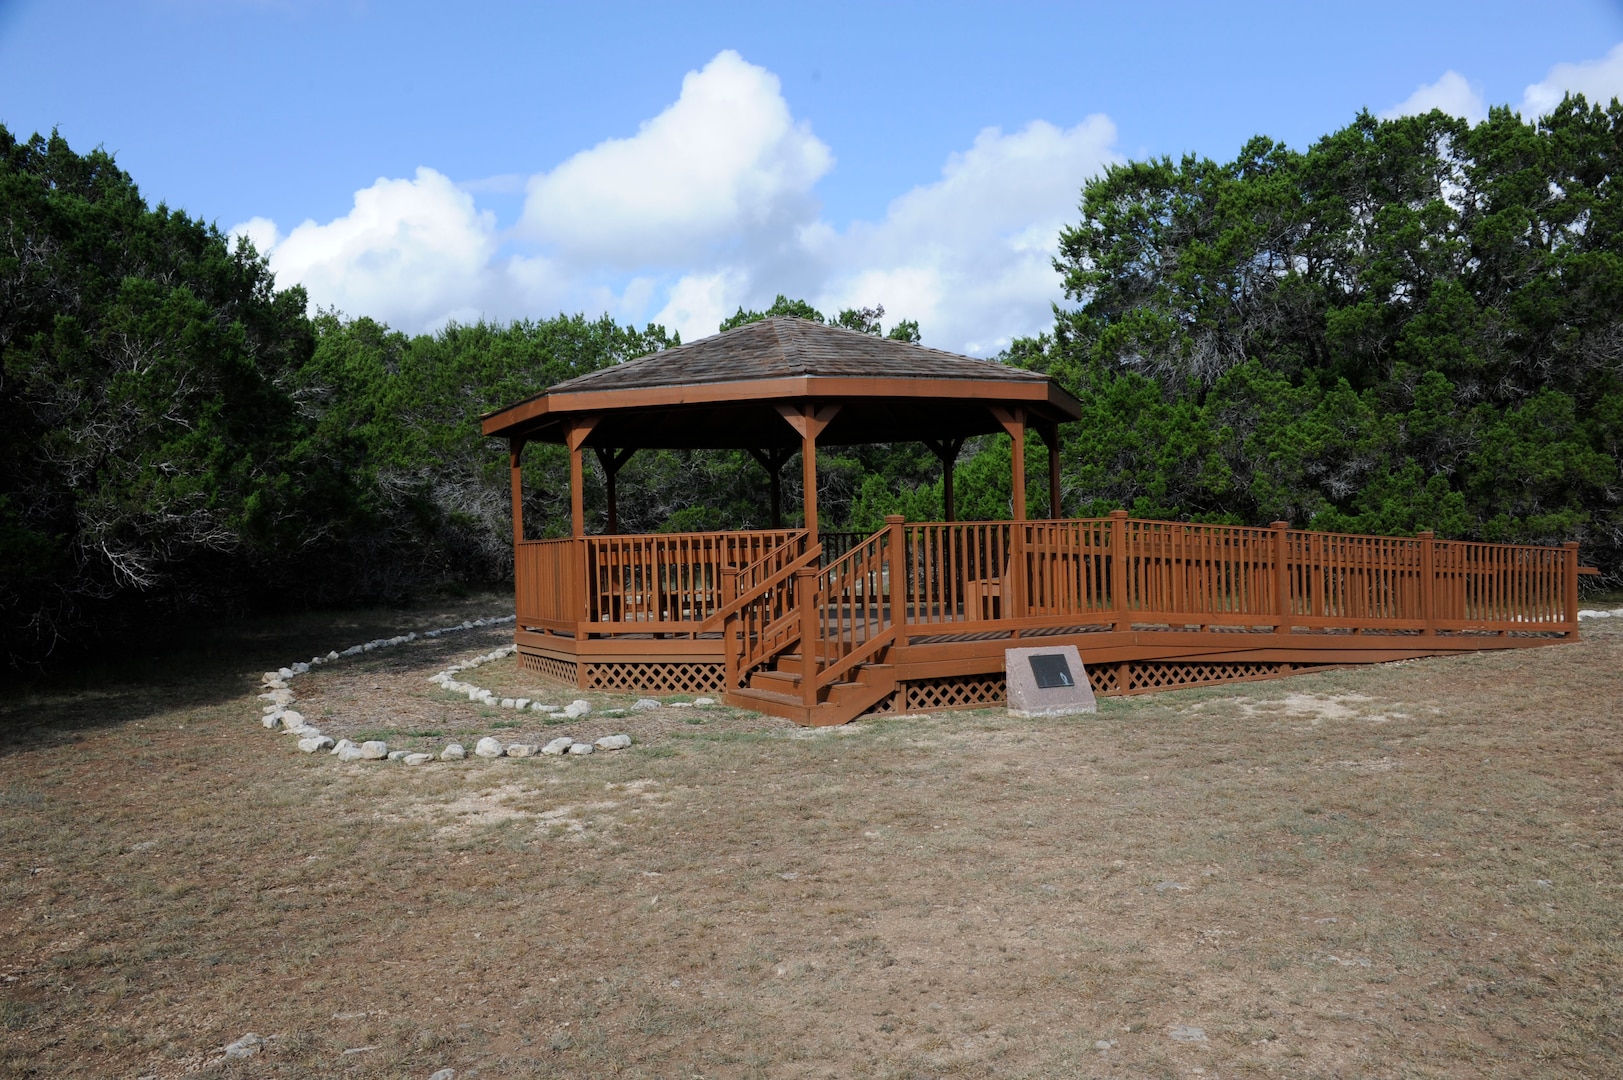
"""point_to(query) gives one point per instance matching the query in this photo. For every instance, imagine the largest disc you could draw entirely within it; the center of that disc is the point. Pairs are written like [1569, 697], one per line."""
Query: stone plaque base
[1057, 663]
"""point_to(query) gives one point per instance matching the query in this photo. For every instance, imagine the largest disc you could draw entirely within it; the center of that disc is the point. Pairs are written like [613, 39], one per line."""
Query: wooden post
[1118, 570]
[809, 421]
[515, 459]
[808, 480]
[1428, 581]
[612, 461]
[729, 629]
[1050, 434]
[1013, 420]
[1014, 578]
[898, 576]
[947, 450]
[1282, 580]
[806, 596]
[575, 438]
[577, 494]
[1570, 583]
[1018, 470]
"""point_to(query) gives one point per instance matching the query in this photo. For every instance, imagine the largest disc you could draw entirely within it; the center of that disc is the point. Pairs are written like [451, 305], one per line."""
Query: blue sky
[421, 162]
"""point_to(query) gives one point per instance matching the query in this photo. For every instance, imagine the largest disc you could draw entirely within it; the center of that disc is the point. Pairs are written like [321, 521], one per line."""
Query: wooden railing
[633, 581]
[850, 617]
[764, 620]
[548, 581]
[1123, 571]
[837, 542]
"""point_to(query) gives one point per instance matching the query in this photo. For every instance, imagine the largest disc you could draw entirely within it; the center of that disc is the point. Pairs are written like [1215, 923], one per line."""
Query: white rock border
[1592, 613]
[279, 712]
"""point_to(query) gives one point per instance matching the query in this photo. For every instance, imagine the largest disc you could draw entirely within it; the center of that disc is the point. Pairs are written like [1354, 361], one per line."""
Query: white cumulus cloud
[1451, 93]
[711, 205]
[724, 164]
[971, 255]
[1599, 81]
[412, 253]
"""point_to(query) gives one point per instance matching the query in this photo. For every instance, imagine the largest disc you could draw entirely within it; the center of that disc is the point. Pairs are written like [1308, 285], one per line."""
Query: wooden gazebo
[821, 628]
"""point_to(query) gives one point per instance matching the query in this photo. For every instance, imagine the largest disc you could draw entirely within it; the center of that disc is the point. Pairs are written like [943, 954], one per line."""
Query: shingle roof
[783, 346]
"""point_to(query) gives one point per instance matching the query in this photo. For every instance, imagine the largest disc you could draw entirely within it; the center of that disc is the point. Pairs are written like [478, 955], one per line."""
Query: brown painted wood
[515, 460]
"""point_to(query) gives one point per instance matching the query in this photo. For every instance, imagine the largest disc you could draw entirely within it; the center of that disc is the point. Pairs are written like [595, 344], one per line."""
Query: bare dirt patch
[1410, 870]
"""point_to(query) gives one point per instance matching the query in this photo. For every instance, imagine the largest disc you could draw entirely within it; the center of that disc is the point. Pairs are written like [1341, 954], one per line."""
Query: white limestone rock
[701, 701]
[374, 750]
[293, 720]
[577, 708]
[520, 749]
[284, 673]
[509, 703]
[279, 697]
[273, 720]
[581, 748]
[536, 706]
[396, 755]
[557, 746]
[454, 752]
[245, 1047]
[521, 703]
[488, 747]
[310, 744]
[351, 753]
[417, 759]
[643, 704]
[613, 742]
[341, 746]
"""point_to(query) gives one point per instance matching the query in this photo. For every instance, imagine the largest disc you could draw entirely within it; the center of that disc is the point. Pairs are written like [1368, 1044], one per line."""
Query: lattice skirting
[981, 691]
[673, 678]
[956, 692]
[550, 667]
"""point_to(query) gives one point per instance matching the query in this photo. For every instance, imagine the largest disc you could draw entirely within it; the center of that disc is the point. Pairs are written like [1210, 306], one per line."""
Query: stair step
[779, 681]
[752, 693]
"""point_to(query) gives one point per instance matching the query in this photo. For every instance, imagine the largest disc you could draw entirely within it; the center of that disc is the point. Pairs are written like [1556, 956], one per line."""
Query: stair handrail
[750, 578]
[832, 585]
[744, 655]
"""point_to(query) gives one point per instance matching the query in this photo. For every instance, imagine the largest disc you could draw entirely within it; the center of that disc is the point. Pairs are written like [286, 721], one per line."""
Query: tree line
[1411, 324]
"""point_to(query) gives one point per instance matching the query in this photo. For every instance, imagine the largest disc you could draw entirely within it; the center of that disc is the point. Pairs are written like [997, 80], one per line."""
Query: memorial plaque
[1048, 681]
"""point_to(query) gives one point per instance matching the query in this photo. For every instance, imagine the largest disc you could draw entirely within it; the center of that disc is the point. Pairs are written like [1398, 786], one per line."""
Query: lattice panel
[550, 667]
[1169, 676]
[1102, 677]
[957, 692]
[889, 704]
[674, 678]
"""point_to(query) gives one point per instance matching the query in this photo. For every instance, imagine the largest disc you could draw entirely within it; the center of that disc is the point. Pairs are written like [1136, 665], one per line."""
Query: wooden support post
[515, 459]
[730, 629]
[898, 576]
[806, 596]
[1428, 581]
[809, 420]
[1118, 571]
[611, 462]
[575, 438]
[1014, 422]
[1014, 578]
[1282, 579]
[772, 460]
[947, 450]
[1050, 434]
[1570, 585]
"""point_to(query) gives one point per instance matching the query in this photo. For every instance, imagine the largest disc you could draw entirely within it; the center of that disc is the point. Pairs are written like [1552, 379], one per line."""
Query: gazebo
[822, 627]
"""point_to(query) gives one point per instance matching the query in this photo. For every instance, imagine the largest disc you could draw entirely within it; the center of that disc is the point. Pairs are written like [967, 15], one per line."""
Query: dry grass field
[1404, 871]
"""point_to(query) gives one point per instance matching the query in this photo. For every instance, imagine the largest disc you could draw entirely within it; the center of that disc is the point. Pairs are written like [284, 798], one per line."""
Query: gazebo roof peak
[782, 346]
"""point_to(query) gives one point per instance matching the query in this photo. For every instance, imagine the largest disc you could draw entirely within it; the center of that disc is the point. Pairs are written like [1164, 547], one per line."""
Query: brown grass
[1410, 870]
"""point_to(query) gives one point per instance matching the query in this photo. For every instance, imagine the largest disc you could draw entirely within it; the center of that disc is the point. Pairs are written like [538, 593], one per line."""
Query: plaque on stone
[1048, 681]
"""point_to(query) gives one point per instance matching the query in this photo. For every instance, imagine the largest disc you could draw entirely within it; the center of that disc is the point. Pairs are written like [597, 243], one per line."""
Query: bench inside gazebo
[822, 627]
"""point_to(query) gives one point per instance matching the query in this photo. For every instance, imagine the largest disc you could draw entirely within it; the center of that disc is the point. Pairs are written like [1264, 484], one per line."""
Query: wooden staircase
[842, 613]
[776, 690]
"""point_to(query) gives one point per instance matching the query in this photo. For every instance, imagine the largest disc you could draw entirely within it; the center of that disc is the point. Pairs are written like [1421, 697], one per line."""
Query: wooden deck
[918, 616]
